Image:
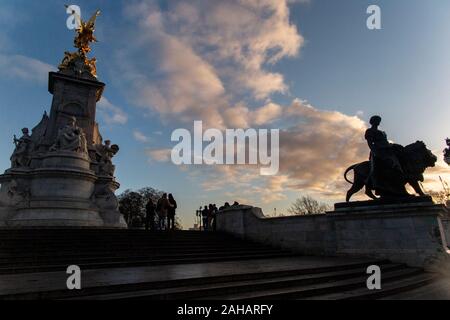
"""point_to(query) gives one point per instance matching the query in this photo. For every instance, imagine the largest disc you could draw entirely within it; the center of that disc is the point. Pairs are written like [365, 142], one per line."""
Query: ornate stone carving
[70, 138]
[77, 63]
[104, 154]
[74, 64]
[104, 198]
[39, 131]
[17, 193]
[21, 155]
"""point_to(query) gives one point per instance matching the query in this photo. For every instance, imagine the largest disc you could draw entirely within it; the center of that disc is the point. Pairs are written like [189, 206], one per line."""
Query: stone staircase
[134, 264]
[51, 250]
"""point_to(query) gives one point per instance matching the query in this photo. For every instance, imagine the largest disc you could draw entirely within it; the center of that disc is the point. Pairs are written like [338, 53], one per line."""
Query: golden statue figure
[78, 62]
[85, 34]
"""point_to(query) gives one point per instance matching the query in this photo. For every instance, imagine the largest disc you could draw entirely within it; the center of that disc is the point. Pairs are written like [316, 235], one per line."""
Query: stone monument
[390, 168]
[62, 174]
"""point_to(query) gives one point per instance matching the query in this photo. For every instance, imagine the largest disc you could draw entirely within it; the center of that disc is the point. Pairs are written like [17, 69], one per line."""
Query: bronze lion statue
[414, 159]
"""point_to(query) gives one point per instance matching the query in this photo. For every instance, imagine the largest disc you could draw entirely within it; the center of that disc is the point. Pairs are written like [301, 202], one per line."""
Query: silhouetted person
[150, 215]
[210, 215]
[226, 205]
[383, 159]
[235, 204]
[171, 212]
[205, 214]
[162, 208]
[214, 217]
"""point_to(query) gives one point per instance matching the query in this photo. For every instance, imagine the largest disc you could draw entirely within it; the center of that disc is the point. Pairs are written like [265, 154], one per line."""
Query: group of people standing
[162, 215]
[209, 215]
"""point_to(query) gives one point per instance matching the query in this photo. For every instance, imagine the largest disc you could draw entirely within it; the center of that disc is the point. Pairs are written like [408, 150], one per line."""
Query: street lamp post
[198, 214]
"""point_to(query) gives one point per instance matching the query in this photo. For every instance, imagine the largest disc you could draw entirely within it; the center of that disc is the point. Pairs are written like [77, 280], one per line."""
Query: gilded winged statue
[78, 62]
[85, 34]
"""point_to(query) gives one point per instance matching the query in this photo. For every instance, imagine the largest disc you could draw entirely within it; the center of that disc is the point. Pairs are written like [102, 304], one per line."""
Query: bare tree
[441, 196]
[307, 205]
[132, 204]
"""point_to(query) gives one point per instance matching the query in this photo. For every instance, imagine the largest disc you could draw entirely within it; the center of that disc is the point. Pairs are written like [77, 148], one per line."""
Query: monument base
[62, 192]
[382, 202]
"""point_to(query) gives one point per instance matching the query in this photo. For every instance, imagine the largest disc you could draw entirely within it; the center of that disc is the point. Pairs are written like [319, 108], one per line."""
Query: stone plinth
[73, 96]
[62, 192]
[408, 233]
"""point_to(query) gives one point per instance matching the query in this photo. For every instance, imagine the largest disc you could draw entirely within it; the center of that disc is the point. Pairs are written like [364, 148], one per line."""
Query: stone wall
[411, 233]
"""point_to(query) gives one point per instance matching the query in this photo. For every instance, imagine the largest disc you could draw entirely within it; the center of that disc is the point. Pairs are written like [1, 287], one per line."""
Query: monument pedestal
[63, 192]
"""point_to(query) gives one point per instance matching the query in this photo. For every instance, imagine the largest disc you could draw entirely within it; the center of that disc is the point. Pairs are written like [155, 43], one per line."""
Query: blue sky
[167, 64]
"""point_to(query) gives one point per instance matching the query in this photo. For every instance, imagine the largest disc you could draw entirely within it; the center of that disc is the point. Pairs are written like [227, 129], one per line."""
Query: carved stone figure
[105, 153]
[17, 193]
[70, 138]
[391, 167]
[104, 198]
[21, 155]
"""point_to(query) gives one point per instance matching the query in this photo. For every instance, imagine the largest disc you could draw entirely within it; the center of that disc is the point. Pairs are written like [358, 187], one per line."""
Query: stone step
[58, 230]
[148, 262]
[33, 256]
[211, 274]
[137, 243]
[389, 289]
[438, 289]
[33, 243]
[81, 259]
[305, 291]
[145, 246]
[206, 291]
[99, 234]
[148, 235]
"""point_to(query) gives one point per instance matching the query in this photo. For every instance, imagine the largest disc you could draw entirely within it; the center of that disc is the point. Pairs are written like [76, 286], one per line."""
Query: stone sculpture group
[62, 174]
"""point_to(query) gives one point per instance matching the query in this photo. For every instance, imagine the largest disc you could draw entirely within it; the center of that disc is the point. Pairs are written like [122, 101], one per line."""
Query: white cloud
[159, 155]
[140, 137]
[203, 57]
[24, 68]
[317, 149]
[111, 113]
[316, 146]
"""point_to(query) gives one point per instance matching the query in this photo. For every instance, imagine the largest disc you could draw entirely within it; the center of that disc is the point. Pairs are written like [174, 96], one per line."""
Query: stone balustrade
[415, 233]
